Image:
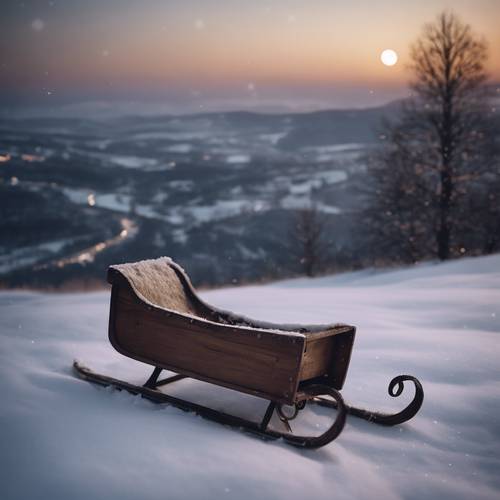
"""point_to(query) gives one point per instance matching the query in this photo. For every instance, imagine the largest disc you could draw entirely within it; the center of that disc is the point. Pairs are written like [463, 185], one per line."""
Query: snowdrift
[63, 438]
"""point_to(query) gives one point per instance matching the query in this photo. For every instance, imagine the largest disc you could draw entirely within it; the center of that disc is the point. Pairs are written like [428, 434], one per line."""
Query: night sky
[188, 55]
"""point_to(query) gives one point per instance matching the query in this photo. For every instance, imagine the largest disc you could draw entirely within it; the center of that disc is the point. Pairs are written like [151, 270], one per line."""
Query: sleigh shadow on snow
[156, 317]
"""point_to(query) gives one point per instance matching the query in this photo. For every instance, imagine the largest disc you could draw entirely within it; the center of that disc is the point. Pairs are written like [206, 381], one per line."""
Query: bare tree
[400, 212]
[307, 239]
[482, 219]
[448, 63]
[440, 146]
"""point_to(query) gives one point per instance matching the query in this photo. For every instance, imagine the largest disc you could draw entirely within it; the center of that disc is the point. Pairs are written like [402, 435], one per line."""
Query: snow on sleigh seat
[156, 317]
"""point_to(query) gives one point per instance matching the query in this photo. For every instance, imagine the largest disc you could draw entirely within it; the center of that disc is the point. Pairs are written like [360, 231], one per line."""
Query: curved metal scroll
[395, 389]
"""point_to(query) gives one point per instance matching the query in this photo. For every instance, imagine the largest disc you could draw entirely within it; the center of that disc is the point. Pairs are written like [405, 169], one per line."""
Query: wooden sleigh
[156, 317]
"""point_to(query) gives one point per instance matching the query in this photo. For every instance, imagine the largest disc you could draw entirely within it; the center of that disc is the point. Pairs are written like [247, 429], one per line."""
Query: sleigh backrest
[161, 283]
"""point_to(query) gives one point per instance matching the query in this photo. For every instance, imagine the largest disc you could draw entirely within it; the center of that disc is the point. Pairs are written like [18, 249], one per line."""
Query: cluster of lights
[31, 158]
[88, 255]
[25, 157]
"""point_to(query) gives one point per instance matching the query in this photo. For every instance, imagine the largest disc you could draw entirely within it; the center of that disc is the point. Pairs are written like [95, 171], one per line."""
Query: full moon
[389, 57]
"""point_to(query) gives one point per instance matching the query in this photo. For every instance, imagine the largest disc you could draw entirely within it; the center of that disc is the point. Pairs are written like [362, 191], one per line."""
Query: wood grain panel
[260, 363]
[317, 358]
[327, 356]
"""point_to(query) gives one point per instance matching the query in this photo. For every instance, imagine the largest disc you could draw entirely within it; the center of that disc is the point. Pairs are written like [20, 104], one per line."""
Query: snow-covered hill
[62, 438]
[185, 182]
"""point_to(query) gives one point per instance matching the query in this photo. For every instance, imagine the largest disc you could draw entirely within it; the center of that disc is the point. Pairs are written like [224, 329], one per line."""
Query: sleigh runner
[156, 317]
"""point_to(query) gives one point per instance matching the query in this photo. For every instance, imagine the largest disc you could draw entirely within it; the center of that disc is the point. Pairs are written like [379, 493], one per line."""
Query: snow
[118, 202]
[77, 195]
[273, 138]
[133, 161]
[221, 209]
[64, 438]
[334, 148]
[296, 202]
[29, 255]
[172, 136]
[113, 201]
[180, 236]
[238, 158]
[320, 178]
[298, 196]
[339, 152]
[182, 185]
[305, 187]
[179, 148]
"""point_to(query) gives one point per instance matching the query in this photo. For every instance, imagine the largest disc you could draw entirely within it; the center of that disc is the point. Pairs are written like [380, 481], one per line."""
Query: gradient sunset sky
[198, 55]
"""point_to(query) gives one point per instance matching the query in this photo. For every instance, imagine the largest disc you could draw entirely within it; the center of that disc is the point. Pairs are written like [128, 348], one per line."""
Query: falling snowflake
[37, 25]
[199, 24]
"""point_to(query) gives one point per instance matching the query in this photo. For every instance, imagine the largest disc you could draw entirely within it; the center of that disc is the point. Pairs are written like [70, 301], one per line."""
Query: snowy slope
[62, 438]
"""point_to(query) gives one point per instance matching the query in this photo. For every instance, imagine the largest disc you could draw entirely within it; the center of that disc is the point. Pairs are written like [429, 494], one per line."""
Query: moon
[389, 57]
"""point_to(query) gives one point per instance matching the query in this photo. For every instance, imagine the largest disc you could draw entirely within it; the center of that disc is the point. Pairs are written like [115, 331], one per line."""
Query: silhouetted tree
[440, 149]
[401, 205]
[482, 219]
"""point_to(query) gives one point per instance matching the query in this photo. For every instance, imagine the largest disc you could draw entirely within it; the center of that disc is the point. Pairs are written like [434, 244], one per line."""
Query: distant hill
[216, 191]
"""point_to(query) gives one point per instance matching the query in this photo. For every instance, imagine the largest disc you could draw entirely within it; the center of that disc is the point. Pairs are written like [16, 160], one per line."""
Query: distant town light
[85, 257]
[31, 158]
